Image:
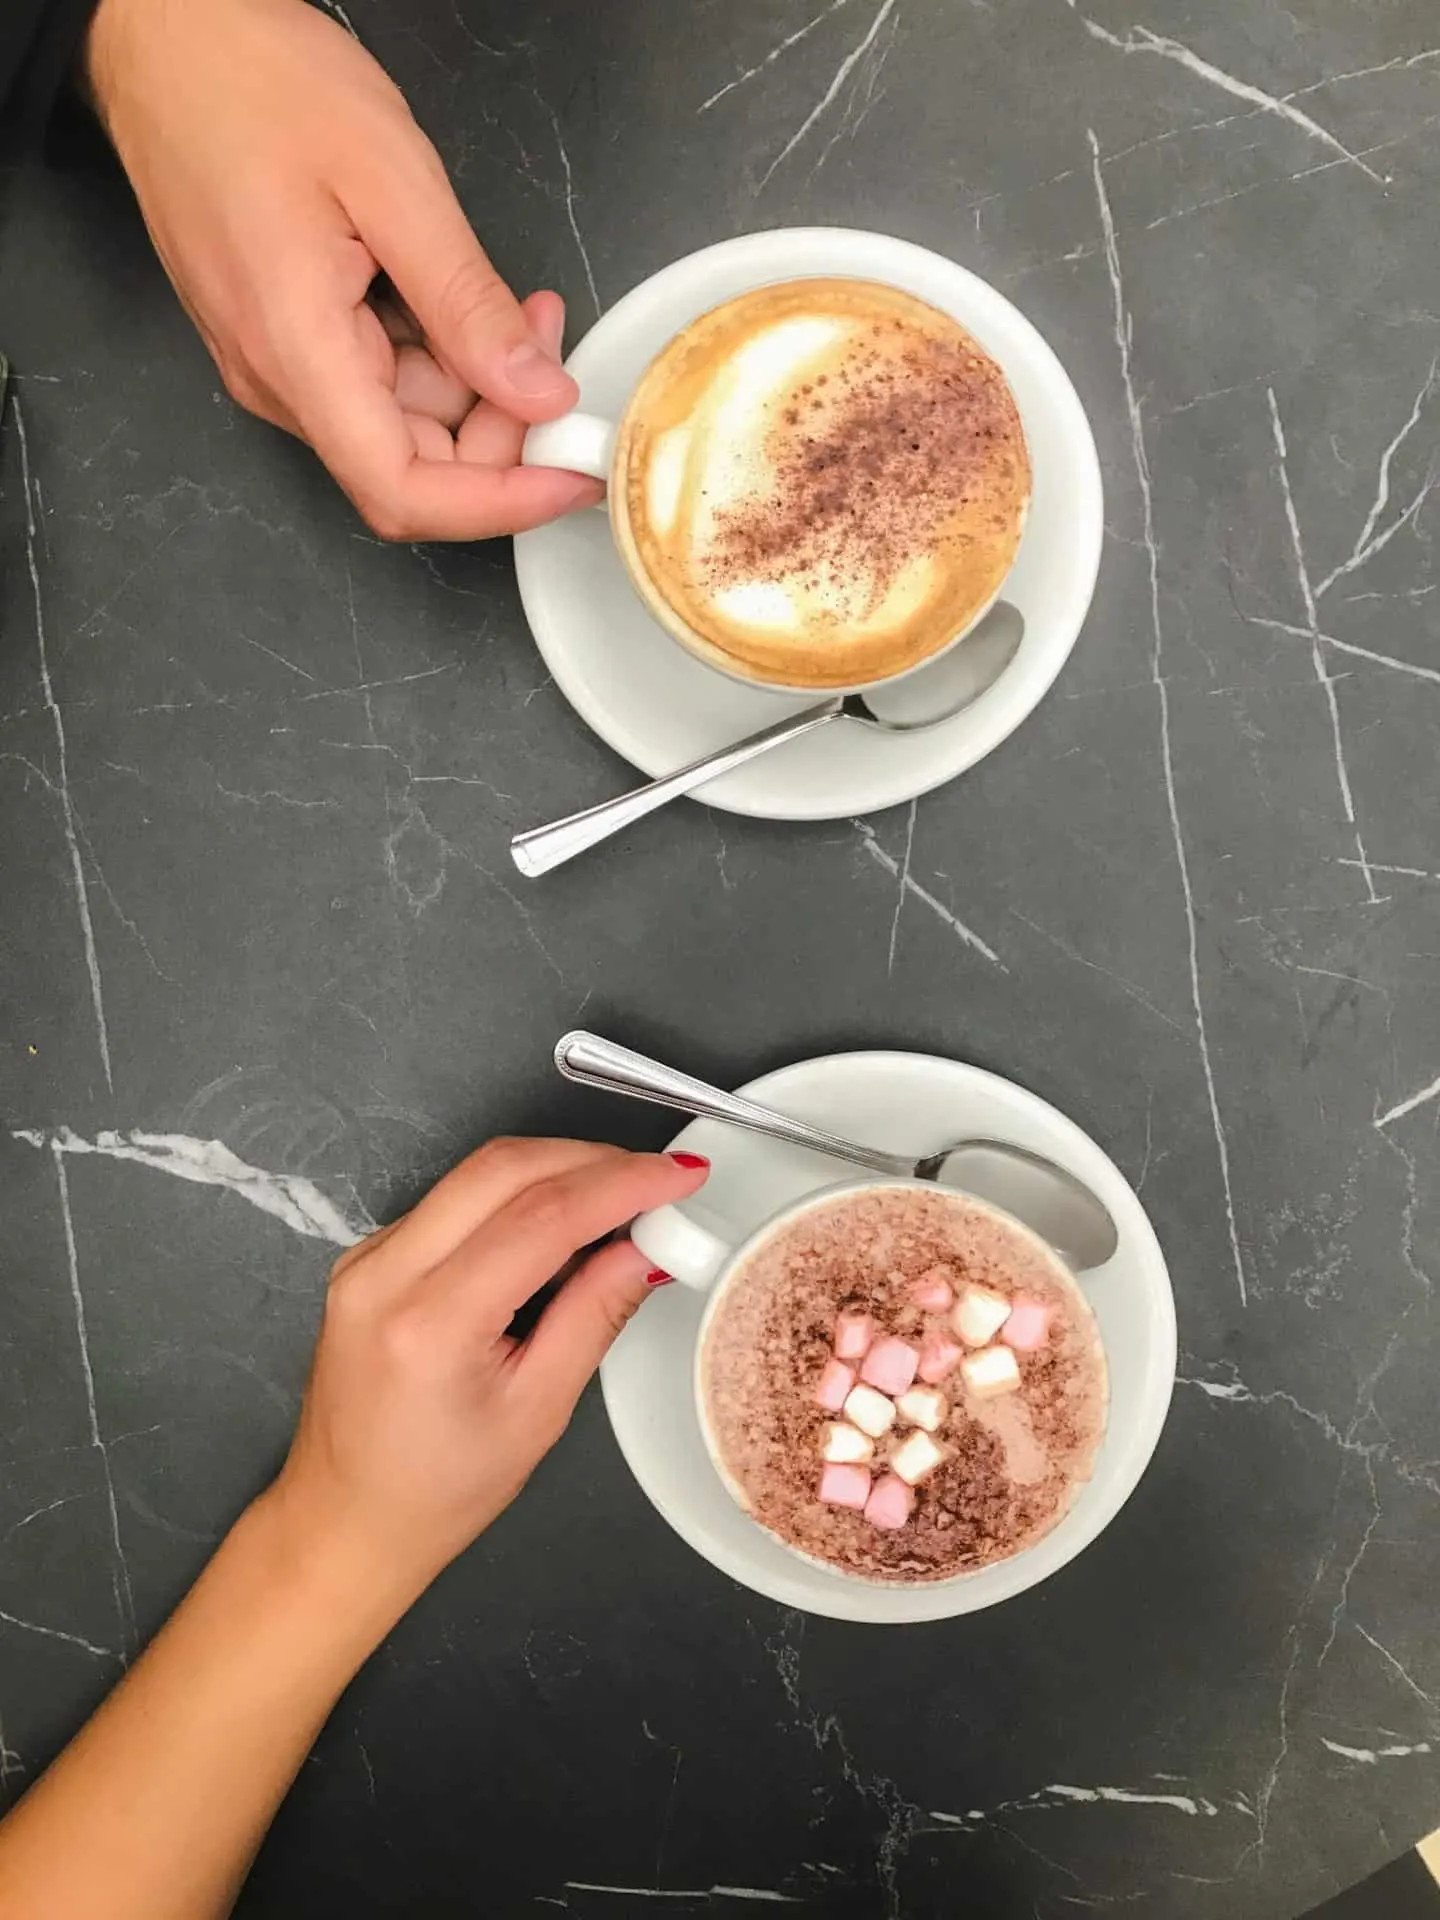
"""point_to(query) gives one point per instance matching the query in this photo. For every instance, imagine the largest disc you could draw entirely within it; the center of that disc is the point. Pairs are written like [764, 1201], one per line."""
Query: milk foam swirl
[825, 481]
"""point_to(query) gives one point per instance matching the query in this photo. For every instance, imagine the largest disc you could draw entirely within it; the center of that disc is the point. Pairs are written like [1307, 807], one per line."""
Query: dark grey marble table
[257, 775]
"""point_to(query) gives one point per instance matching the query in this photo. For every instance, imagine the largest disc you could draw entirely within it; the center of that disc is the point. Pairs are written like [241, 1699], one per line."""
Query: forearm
[421, 1421]
[155, 1810]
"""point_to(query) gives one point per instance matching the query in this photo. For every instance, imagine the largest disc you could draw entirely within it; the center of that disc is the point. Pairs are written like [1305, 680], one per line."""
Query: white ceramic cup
[703, 1252]
[588, 443]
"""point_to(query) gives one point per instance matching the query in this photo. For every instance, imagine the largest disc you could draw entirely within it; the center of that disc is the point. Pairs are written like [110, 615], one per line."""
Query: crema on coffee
[822, 482]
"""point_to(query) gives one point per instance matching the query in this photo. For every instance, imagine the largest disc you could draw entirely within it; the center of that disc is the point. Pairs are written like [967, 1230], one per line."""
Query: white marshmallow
[844, 1445]
[996, 1370]
[979, 1316]
[916, 1455]
[922, 1407]
[871, 1411]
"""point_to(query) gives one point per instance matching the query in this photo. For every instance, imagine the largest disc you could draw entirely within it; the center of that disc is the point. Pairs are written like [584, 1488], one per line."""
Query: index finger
[471, 1193]
[496, 1269]
[353, 421]
[404, 208]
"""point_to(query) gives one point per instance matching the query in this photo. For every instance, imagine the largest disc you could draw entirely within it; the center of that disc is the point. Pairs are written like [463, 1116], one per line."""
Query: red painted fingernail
[690, 1161]
[657, 1277]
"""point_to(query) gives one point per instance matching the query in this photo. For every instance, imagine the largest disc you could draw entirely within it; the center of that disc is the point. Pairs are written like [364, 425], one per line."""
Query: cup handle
[579, 442]
[678, 1244]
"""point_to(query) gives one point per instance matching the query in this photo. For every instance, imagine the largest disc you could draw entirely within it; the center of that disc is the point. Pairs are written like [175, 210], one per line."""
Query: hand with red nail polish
[424, 1416]
[310, 231]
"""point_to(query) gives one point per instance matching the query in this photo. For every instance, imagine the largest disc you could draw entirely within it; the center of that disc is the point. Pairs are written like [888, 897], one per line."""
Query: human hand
[279, 170]
[423, 1418]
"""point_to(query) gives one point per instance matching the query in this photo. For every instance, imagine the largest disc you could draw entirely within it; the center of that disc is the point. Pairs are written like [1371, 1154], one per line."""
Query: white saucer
[658, 706]
[909, 1102]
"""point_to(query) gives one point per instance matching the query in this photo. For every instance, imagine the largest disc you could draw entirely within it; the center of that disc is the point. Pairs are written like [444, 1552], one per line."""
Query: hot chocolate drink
[904, 1384]
[822, 482]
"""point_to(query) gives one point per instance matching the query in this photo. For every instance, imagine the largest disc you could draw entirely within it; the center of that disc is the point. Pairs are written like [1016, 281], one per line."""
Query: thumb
[416, 230]
[582, 1322]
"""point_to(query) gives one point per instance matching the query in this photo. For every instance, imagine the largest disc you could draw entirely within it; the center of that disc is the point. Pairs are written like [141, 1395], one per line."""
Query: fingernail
[532, 371]
[657, 1277]
[585, 493]
[690, 1161]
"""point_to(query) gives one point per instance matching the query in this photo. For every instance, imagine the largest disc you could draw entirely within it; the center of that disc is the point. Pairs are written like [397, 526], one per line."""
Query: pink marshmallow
[890, 1504]
[939, 1357]
[834, 1387]
[1028, 1327]
[853, 1334]
[933, 1292]
[890, 1365]
[844, 1486]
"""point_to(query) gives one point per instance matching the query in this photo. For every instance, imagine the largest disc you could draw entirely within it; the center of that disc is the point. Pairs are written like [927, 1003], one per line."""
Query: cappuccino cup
[819, 484]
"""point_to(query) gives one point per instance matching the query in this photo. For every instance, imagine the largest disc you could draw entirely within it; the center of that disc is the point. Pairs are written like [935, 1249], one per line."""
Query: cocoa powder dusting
[772, 1334]
[870, 474]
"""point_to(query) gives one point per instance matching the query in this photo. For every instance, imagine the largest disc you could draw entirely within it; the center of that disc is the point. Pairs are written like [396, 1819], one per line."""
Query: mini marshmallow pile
[878, 1384]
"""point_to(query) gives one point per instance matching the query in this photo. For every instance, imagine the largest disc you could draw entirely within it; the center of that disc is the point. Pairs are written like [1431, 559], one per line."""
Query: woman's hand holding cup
[424, 1416]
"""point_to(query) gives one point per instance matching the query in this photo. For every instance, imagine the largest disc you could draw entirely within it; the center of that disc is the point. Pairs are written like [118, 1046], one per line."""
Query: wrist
[336, 1591]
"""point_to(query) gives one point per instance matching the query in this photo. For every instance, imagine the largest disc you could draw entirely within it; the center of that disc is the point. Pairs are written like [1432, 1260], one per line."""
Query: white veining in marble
[1400, 63]
[337, 12]
[827, 1736]
[1329, 1574]
[1373, 538]
[1340, 1611]
[1045, 1799]
[1346, 1439]
[570, 213]
[903, 887]
[1410, 667]
[271, 793]
[1415, 1100]
[56, 1633]
[1142, 40]
[1317, 654]
[1402, 873]
[755, 1893]
[1127, 987]
[30, 489]
[707, 1894]
[415, 854]
[291, 1198]
[842, 74]
[783, 46]
[1124, 337]
[120, 1570]
[1402, 1673]
[909, 884]
[12, 1767]
[38, 1513]
[1369, 1756]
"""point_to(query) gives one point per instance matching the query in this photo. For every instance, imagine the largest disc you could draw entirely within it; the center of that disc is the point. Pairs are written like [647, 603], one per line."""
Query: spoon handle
[543, 848]
[593, 1062]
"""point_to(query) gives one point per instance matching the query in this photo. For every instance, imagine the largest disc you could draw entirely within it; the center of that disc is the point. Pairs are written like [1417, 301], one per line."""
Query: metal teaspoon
[971, 669]
[1048, 1199]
